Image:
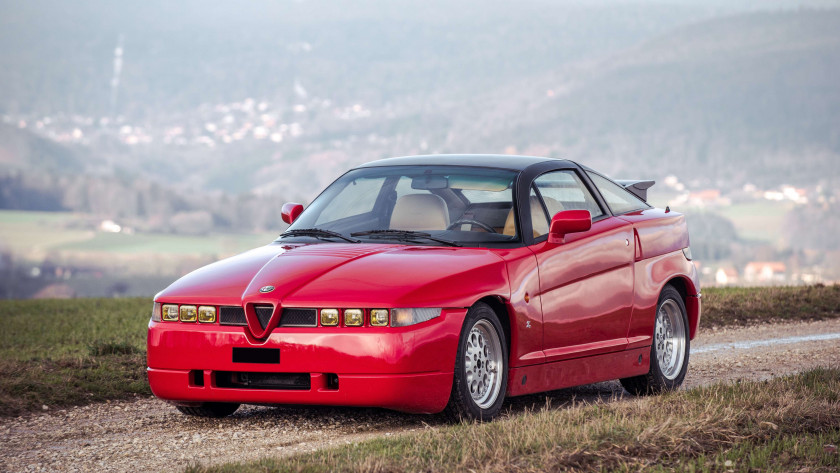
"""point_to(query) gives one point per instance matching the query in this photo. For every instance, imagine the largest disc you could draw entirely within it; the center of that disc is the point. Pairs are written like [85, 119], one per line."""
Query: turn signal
[170, 312]
[188, 313]
[354, 317]
[403, 317]
[329, 317]
[207, 314]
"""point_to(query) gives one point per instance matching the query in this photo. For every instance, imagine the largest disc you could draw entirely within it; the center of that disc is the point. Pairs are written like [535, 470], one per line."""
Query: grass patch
[734, 306]
[697, 430]
[69, 352]
[100, 348]
[810, 452]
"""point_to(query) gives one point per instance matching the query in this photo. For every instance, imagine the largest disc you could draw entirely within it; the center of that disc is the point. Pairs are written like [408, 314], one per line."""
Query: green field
[777, 426]
[22, 231]
[166, 244]
[34, 234]
[28, 232]
[70, 352]
[757, 221]
[761, 221]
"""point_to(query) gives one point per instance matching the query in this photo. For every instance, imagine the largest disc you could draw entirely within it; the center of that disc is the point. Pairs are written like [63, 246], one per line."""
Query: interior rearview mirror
[430, 182]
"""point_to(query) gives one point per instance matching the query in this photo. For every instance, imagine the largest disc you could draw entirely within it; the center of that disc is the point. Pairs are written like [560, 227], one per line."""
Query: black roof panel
[502, 161]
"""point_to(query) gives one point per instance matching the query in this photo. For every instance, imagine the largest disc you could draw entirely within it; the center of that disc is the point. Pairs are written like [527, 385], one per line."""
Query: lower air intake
[243, 380]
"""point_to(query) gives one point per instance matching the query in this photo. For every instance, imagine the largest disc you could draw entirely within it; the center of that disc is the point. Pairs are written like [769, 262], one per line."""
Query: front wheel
[669, 350]
[480, 379]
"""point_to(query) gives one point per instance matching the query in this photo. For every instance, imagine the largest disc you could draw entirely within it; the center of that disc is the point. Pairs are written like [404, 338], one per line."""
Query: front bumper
[407, 369]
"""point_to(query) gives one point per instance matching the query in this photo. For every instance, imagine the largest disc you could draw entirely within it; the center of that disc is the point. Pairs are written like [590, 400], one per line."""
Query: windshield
[454, 204]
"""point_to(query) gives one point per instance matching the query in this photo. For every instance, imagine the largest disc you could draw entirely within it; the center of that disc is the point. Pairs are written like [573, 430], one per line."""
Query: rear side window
[559, 191]
[620, 200]
[564, 190]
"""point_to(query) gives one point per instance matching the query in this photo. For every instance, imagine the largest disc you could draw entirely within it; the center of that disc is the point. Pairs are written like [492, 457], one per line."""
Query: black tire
[210, 409]
[462, 404]
[656, 381]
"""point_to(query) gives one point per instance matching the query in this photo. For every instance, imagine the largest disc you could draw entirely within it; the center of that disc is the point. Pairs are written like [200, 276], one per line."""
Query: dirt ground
[149, 435]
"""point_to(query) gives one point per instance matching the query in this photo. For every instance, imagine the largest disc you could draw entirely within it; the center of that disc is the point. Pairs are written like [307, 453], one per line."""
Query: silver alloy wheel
[669, 338]
[483, 360]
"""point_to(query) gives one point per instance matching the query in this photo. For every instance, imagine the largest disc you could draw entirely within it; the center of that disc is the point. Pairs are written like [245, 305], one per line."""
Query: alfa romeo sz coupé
[432, 283]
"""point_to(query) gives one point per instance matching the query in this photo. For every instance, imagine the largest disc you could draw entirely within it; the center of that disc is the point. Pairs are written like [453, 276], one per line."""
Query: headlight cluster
[401, 317]
[377, 317]
[205, 314]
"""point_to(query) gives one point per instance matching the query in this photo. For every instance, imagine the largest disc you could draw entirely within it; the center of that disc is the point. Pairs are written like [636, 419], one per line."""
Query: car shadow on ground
[564, 398]
[359, 420]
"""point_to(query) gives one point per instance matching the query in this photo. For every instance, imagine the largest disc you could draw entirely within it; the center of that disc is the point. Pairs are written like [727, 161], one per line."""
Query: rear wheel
[669, 350]
[480, 380]
[210, 409]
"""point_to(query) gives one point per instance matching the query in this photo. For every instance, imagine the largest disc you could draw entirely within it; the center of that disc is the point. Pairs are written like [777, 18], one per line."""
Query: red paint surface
[588, 317]
[586, 287]
[375, 366]
[290, 212]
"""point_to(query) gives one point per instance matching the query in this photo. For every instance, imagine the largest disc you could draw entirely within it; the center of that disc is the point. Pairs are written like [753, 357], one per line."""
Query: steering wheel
[462, 221]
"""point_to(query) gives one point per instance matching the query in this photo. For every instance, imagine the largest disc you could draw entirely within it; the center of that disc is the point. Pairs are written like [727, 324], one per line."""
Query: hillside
[57, 56]
[759, 90]
[222, 114]
[664, 89]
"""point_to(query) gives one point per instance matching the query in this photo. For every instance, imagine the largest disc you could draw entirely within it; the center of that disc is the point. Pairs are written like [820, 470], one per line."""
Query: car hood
[345, 274]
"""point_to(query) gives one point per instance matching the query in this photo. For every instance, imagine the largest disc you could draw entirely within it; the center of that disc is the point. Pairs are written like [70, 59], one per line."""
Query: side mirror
[568, 221]
[290, 212]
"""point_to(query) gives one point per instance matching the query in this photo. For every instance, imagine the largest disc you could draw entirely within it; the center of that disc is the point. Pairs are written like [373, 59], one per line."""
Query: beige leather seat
[537, 216]
[420, 212]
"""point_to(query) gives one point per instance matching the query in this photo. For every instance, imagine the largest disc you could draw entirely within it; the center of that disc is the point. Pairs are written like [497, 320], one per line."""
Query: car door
[586, 283]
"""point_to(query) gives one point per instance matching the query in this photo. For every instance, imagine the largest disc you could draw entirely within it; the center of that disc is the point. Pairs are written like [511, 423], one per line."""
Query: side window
[563, 190]
[356, 198]
[620, 200]
[539, 219]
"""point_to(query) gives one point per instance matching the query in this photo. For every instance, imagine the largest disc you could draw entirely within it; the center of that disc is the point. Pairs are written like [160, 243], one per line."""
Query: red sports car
[434, 283]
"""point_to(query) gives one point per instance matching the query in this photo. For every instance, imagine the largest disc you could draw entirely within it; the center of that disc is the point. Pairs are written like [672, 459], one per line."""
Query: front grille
[263, 314]
[232, 316]
[242, 380]
[299, 318]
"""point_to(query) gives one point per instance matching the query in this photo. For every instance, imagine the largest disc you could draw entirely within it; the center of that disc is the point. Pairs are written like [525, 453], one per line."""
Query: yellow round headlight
[329, 317]
[207, 314]
[188, 313]
[379, 317]
[354, 317]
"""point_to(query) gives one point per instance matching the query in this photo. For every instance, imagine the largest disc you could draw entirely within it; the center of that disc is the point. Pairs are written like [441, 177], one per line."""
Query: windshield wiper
[317, 233]
[406, 235]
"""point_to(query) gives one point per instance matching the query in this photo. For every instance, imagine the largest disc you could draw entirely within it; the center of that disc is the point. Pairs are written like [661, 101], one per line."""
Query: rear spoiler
[638, 188]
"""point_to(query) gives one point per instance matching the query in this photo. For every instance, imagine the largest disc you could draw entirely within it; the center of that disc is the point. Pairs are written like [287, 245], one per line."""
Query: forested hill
[630, 88]
[749, 98]
[57, 56]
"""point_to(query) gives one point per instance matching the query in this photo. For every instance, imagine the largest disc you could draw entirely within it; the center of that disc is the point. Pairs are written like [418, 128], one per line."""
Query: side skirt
[578, 371]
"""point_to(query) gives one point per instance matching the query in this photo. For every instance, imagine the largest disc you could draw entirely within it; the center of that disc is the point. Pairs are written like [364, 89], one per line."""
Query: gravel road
[148, 435]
